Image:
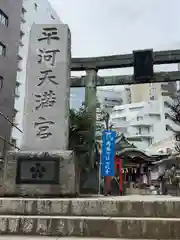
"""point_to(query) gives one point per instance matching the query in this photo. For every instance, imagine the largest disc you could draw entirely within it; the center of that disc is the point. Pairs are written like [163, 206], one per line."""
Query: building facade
[109, 97]
[33, 12]
[10, 18]
[145, 92]
[150, 91]
[143, 123]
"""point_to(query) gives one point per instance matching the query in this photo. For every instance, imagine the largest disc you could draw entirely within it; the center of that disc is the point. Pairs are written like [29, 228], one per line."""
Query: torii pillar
[90, 104]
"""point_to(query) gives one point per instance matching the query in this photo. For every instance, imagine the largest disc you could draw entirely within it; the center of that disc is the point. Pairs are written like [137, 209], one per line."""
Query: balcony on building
[113, 101]
[21, 34]
[22, 18]
[119, 129]
[15, 124]
[120, 125]
[23, 15]
[120, 122]
[155, 116]
[168, 104]
[23, 30]
[168, 115]
[172, 121]
[19, 66]
[15, 111]
[170, 128]
[24, 9]
[19, 57]
[134, 138]
[169, 89]
[17, 92]
[14, 115]
[141, 133]
[141, 122]
[139, 137]
[108, 106]
[21, 44]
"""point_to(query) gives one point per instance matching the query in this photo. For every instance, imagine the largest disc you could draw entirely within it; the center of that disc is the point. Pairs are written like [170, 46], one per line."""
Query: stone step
[8, 237]
[104, 206]
[60, 238]
[108, 227]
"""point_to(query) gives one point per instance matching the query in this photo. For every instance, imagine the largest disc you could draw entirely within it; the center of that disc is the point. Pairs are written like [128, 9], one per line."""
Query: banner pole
[120, 177]
[100, 162]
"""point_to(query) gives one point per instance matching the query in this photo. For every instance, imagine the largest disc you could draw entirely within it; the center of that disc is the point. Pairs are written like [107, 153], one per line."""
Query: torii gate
[92, 80]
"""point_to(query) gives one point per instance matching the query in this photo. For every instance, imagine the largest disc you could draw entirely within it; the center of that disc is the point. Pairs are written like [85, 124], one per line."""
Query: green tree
[79, 135]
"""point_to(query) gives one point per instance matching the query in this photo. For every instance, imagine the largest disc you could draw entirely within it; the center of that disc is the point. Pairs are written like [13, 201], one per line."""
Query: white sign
[46, 108]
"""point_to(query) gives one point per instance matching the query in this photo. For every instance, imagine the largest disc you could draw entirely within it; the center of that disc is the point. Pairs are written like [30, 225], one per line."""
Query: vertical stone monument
[44, 166]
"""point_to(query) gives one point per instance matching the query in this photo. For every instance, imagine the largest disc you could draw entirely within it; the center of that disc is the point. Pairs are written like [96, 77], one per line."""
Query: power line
[14, 125]
[9, 143]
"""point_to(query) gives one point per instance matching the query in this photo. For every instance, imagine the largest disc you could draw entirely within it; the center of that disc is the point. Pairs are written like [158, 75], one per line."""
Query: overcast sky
[107, 27]
[102, 27]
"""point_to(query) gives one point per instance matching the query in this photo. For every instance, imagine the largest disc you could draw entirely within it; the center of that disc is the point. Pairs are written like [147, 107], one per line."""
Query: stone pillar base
[40, 174]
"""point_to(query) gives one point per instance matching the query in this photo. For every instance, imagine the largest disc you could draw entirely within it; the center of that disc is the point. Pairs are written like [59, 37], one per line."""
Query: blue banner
[107, 154]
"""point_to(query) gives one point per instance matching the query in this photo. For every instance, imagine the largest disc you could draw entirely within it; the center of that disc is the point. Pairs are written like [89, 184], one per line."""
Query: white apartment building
[33, 11]
[110, 97]
[144, 123]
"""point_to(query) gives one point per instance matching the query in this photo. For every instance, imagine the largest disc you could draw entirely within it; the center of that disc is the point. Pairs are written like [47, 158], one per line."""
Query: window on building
[35, 6]
[123, 118]
[135, 108]
[140, 131]
[3, 18]
[152, 98]
[2, 50]
[139, 118]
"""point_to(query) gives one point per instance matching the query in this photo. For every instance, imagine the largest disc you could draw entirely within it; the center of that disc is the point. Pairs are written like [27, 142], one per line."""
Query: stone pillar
[90, 104]
[44, 166]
